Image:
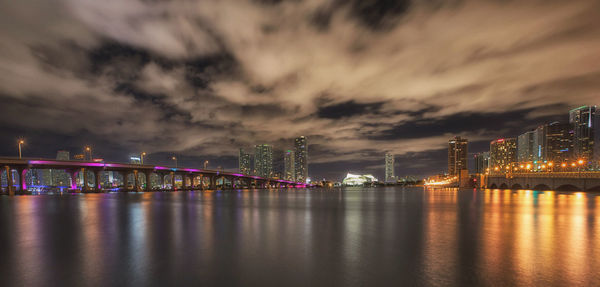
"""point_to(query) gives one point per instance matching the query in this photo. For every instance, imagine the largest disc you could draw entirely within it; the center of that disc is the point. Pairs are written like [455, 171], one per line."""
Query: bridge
[16, 171]
[561, 181]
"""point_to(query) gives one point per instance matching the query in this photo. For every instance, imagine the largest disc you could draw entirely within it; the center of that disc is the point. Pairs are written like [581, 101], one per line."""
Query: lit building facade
[263, 160]
[389, 168]
[482, 162]
[457, 155]
[503, 153]
[525, 147]
[244, 162]
[559, 142]
[583, 120]
[289, 165]
[358, 180]
[301, 159]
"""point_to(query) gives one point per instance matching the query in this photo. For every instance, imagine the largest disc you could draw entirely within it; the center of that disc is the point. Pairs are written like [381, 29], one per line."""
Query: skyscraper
[503, 153]
[482, 162]
[525, 147]
[389, 168]
[61, 177]
[457, 155]
[289, 166]
[301, 160]
[263, 160]
[244, 162]
[539, 144]
[559, 142]
[63, 155]
[583, 120]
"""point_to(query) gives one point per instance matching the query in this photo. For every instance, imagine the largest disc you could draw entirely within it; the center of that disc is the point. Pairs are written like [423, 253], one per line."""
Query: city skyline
[380, 83]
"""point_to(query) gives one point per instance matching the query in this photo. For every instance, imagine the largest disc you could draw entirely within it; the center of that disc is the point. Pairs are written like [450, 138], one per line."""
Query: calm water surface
[352, 237]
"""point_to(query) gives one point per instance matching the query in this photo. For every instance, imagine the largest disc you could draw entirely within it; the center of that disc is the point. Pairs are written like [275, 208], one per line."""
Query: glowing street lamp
[21, 142]
[205, 164]
[88, 149]
[175, 159]
[580, 162]
[142, 158]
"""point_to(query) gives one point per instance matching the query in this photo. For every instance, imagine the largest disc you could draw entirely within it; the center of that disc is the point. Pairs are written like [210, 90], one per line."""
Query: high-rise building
[244, 162]
[59, 177]
[482, 162]
[539, 143]
[289, 166]
[583, 120]
[525, 147]
[503, 153]
[301, 160]
[457, 155]
[63, 155]
[263, 160]
[559, 142]
[389, 168]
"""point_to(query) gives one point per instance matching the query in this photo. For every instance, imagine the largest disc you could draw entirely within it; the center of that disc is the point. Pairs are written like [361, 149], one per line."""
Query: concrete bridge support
[9, 181]
[22, 179]
[98, 181]
[148, 174]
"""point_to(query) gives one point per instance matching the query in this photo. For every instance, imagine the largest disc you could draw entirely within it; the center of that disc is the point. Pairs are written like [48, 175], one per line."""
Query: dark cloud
[348, 109]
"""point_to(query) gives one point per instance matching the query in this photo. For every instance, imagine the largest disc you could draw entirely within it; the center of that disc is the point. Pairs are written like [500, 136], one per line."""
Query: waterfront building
[301, 158]
[559, 142]
[263, 160]
[244, 162]
[289, 166]
[503, 154]
[135, 160]
[525, 147]
[583, 120]
[482, 162]
[457, 155]
[80, 157]
[358, 179]
[63, 155]
[539, 144]
[389, 168]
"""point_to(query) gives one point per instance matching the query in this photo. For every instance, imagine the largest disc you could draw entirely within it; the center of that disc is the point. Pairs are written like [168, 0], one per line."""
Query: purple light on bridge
[161, 168]
[237, 174]
[50, 162]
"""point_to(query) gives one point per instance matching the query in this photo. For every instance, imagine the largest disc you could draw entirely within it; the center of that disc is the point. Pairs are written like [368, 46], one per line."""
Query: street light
[205, 164]
[175, 159]
[20, 143]
[142, 158]
[88, 149]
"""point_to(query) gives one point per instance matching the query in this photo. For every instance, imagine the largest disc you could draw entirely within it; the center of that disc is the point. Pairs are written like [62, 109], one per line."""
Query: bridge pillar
[98, 182]
[148, 182]
[136, 180]
[124, 174]
[161, 180]
[73, 175]
[213, 182]
[85, 180]
[9, 181]
[22, 179]
[173, 181]
[184, 178]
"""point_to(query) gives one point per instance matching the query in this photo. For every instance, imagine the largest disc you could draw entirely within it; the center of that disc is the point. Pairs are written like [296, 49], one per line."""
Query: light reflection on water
[357, 237]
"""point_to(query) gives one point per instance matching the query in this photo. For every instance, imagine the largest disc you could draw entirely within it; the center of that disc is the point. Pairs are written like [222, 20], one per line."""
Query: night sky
[200, 79]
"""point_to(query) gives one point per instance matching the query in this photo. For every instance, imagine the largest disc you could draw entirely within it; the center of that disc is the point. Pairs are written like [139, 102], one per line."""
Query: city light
[21, 142]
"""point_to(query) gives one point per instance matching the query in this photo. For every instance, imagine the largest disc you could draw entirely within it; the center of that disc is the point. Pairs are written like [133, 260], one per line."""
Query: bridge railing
[569, 174]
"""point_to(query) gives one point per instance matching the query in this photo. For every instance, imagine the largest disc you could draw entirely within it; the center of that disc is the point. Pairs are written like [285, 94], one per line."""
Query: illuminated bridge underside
[562, 181]
[188, 175]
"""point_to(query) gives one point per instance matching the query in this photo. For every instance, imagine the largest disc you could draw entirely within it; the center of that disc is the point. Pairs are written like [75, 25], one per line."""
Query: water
[358, 237]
